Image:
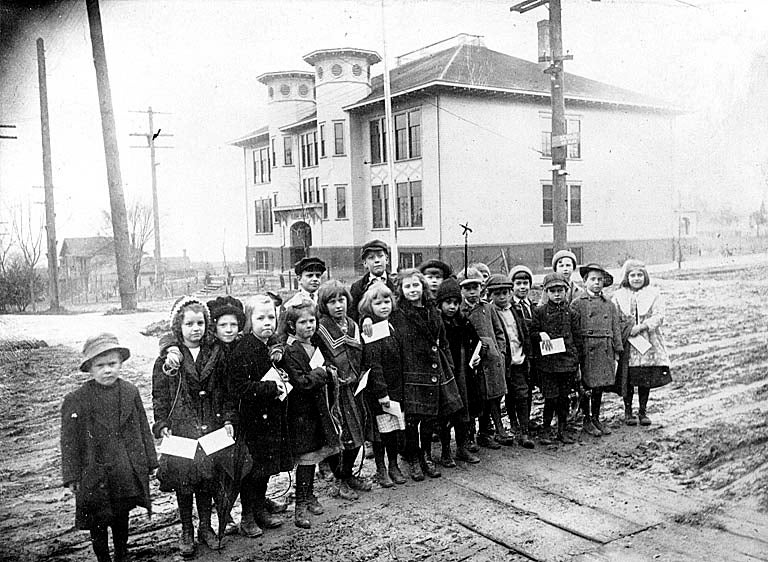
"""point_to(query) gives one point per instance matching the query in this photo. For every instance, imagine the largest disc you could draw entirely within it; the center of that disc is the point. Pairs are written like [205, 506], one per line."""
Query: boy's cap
[555, 280]
[585, 269]
[437, 264]
[564, 254]
[470, 276]
[96, 345]
[449, 289]
[309, 264]
[497, 281]
[221, 306]
[520, 272]
[374, 246]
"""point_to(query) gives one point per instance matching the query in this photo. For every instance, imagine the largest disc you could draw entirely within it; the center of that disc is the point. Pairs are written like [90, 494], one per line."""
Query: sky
[197, 61]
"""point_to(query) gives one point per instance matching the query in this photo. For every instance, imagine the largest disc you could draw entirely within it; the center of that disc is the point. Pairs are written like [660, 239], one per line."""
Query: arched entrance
[301, 240]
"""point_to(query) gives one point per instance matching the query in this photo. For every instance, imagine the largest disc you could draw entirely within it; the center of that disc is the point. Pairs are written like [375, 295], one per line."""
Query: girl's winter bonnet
[632, 265]
[449, 289]
[521, 272]
[564, 254]
[221, 306]
[179, 305]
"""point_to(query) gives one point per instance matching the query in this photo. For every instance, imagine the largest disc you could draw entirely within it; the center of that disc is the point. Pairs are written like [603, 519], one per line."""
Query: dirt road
[693, 486]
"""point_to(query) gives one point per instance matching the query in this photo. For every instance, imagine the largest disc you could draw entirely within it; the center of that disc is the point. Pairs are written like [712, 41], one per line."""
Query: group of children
[395, 361]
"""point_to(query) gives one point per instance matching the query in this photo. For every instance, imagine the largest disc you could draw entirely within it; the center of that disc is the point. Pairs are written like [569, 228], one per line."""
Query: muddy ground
[693, 486]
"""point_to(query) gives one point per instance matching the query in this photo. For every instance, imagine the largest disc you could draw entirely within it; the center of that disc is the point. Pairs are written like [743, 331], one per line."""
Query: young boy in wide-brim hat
[107, 450]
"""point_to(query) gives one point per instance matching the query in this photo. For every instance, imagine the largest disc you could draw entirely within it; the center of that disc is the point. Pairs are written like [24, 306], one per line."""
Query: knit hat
[180, 303]
[448, 289]
[96, 345]
[374, 246]
[520, 272]
[607, 277]
[437, 264]
[309, 264]
[471, 275]
[497, 281]
[221, 306]
[631, 265]
[564, 254]
[555, 280]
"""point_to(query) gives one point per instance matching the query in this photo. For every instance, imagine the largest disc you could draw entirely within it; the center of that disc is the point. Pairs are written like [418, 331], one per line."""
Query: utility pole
[112, 156]
[394, 252]
[560, 140]
[50, 215]
[151, 135]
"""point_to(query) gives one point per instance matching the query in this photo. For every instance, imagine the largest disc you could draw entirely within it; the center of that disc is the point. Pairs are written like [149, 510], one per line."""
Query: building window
[549, 254]
[308, 149]
[310, 190]
[263, 208]
[410, 259]
[341, 201]
[261, 165]
[409, 208]
[260, 259]
[380, 204]
[408, 135]
[338, 139]
[572, 204]
[378, 134]
[325, 202]
[274, 156]
[322, 140]
[572, 125]
[288, 151]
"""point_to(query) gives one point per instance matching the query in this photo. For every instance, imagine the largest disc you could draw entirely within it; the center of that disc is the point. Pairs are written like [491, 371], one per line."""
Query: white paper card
[640, 343]
[178, 447]
[215, 441]
[558, 346]
[317, 359]
[475, 359]
[393, 408]
[380, 330]
[283, 386]
[363, 382]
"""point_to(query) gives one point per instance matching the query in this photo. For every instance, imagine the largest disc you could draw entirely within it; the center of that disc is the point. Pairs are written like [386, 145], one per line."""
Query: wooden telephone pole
[560, 139]
[112, 155]
[50, 215]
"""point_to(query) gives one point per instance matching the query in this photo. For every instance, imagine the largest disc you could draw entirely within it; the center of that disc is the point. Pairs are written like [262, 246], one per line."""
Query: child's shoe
[414, 467]
[547, 437]
[207, 536]
[301, 516]
[604, 429]
[446, 458]
[589, 428]
[382, 476]
[564, 438]
[463, 454]
[472, 445]
[314, 506]
[526, 442]
[359, 484]
[343, 491]
[428, 467]
[629, 417]
[644, 419]
[187, 541]
[276, 507]
[503, 437]
[266, 519]
[249, 527]
[396, 474]
[485, 440]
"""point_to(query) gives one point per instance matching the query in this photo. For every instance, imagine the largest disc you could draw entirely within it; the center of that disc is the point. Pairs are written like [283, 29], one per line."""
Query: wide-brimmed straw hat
[96, 345]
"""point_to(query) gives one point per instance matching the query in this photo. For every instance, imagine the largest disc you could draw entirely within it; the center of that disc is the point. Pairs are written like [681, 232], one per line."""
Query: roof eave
[249, 139]
[299, 124]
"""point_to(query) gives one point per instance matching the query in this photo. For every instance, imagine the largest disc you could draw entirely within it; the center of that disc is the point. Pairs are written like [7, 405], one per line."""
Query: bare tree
[28, 237]
[140, 230]
[6, 243]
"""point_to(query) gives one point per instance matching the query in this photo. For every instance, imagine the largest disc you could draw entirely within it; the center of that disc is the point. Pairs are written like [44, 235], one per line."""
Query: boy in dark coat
[107, 450]
[375, 258]
[553, 320]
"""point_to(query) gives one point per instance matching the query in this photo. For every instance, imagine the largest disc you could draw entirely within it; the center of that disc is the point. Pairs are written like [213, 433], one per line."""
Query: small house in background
[87, 265]
[174, 267]
[472, 144]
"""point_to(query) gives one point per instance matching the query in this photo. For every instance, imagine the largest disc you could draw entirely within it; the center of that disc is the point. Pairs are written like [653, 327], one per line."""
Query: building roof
[251, 138]
[476, 67]
[268, 77]
[372, 57]
[309, 118]
[87, 247]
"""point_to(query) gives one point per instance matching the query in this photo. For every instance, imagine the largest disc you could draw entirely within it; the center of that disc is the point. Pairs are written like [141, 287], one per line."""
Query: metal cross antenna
[466, 232]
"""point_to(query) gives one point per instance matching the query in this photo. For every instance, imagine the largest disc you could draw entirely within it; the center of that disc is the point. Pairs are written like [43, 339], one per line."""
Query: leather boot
[589, 427]
[471, 445]
[187, 538]
[248, 525]
[485, 440]
[205, 533]
[597, 399]
[629, 417]
[305, 474]
[382, 476]
[395, 473]
[604, 429]
[562, 436]
[446, 457]
[463, 454]
[428, 466]
[414, 467]
[643, 393]
[263, 517]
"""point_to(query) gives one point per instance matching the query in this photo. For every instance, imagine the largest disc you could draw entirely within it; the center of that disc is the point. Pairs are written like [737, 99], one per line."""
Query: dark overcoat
[462, 340]
[429, 386]
[345, 352]
[600, 330]
[382, 357]
[191, 402]
[558, 321]
[490, 330]
[262, 417]
[109, 454]
[309, 404]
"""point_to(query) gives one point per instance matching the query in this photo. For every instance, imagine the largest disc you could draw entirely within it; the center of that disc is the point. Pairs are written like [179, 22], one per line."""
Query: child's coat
[600, 331]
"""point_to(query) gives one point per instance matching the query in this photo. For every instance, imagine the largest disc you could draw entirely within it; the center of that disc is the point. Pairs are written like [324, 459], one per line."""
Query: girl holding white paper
[189, 402]
[385, 386]
[315, 430]
[648, 359]
[341, 346]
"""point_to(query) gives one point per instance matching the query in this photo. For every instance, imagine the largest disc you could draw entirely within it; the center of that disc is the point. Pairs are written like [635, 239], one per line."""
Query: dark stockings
[491, 412]
[550, 405]
[342, 464]
[643, 392]
[595, 400]
[305, 478]
[561, 405]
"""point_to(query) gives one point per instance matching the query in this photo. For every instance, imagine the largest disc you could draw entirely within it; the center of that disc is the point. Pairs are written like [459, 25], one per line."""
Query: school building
[472, 145]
